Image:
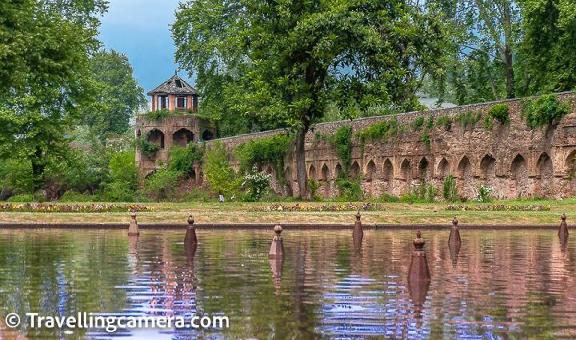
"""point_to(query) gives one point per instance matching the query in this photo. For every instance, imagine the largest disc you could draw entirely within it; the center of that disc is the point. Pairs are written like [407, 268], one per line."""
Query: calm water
[501, 284]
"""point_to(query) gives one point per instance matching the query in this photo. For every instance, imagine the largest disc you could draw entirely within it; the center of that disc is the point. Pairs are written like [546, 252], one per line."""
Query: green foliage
[122, 184]
[468, 119]
[386, 197]
[218, 173]
[418, 123]
[488, 122]
[500, 112]
[157, 115]
[182, 158]
[444, 122]
[381, 131]
[544, 111]
[163, 184]
[313, 187]
[119, 95]
[16, 176]
[430, 122]
[45, 78]
[22, 198]
[422, 193]
[73, 196]
[269, 150]
[350, 190]
[425, 139]
[449, 189]
[342, 141]
[484, 194]
[256, 183]
[146, 147]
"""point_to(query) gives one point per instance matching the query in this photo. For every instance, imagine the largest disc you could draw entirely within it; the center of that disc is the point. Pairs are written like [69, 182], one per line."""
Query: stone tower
[172, 121]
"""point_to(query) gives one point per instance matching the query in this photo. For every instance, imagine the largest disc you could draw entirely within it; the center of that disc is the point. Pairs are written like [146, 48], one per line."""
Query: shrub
[544, 111]
[147, 148]
[157, 115]
[182, 158]
[422, 193]
[430, 122]
[484, 194]
[16, 176]
[417, 123]
[256, 184]
[449, 189]
[218, 173]
[378, 132]
[22, 198]
[468, 119]
[445, 122]
[122, 182]
[162, 184]
[500, 112]
[350, 190]
[386, 197]
[313, 188]
[425, 139]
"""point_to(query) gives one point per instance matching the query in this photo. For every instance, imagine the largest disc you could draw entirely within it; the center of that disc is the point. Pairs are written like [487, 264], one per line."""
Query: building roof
[174, 85]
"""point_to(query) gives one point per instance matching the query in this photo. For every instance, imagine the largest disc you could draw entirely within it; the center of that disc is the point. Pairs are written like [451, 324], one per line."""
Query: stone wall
[513, 159]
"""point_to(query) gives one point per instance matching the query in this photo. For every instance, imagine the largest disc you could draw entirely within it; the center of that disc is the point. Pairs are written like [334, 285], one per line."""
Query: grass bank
[499, 212]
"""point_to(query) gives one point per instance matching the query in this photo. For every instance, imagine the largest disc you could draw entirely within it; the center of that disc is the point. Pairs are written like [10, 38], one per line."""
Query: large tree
[44, 75]
[286, 61]
[119, 97]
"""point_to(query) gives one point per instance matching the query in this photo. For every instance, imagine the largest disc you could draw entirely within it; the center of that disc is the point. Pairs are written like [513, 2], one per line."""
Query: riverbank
[529, 212]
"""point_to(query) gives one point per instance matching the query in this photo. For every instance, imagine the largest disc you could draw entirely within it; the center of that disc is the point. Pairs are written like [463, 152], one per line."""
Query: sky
[140, 29]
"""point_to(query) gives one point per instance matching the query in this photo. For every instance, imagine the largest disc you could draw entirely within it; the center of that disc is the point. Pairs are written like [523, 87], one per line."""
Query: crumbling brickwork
[513, 159]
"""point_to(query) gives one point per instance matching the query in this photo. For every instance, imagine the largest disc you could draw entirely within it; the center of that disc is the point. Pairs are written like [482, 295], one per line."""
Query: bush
[500, 112]
[417, 123]
[146, 147]
[157, 115]
[484, 194]
[425, 139]
[313, 188]
[544, 111]
[256, 184]
[449, 189]
[423, 193]
[378, 132]
[350, 190]
[182, 158]
[162, 184]
[445, 122]
[16, 176]
[22, 198]
[218, 173]
[386, 197]
[468, 119]
[122, 185]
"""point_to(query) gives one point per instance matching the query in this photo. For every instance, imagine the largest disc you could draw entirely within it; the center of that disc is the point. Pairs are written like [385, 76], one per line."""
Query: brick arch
[424, 172]
[355, 170]
[156, 136]
[466, 177]
[388, 175]
[488, 169]
[370, 172]
[312, 172]
[545, 171]
[325, 172]
[443, 168]
[338, 172]
[182, 137]
[519, 176]
[570, 165]
[406, 170]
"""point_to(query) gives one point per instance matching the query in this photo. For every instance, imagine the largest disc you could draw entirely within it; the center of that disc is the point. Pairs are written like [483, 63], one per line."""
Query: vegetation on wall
[182, 159]
[350, 190]
[146, 147]
[418, 123]
[449, 189]
[379, 132]
[342, 141]
[445, 122]
[468, 119]
[544, 111]
[269, 150]
[157, 115]
[499, 112]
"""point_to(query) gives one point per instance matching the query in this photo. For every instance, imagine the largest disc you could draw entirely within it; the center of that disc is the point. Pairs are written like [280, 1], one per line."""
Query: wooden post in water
[418, 277]
[358, 232]
[133, 227]
[277, 246]
[190, 239]
[563, 230]
[454, 237]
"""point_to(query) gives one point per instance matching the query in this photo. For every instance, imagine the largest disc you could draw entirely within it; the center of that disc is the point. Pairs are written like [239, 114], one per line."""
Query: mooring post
[454, 237]
[133, 227]
[563, 230]
[277, 246]
[190, 238]
[358, 232]
[418, 270]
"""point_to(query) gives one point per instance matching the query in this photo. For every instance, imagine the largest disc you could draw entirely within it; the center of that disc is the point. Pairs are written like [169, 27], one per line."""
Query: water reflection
[514, 283]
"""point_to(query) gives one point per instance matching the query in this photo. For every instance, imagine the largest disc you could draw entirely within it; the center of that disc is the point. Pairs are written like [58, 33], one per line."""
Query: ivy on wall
[543, 111]
[342, 141]
[270, 150]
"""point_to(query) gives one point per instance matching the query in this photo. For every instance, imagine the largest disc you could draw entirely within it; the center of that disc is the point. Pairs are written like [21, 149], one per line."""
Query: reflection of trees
[61, 273]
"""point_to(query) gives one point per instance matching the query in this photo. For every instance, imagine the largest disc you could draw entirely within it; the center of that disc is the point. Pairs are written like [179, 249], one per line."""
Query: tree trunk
[301, 163]
[510, 93]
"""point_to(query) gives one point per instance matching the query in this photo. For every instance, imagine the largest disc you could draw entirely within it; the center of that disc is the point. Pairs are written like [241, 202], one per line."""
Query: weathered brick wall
[512, 159]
